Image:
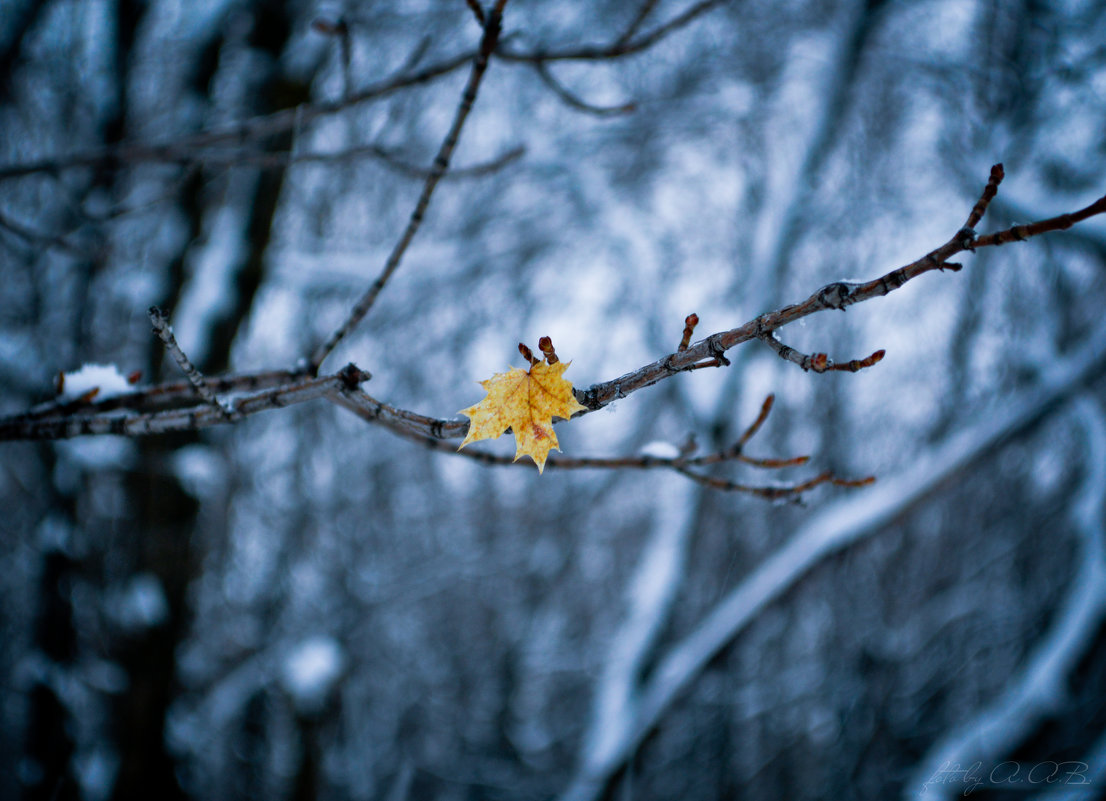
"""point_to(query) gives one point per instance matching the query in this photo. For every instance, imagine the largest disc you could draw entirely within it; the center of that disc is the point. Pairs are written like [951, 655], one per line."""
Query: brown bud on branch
[527, 354]
[690, 322]
[545, 344]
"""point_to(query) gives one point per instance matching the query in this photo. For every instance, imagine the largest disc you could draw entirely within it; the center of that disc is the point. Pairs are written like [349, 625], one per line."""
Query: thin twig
[251, 130]
[838, 295]
[618, 48]
[434, 435]
[690, 322]
[573, 101]
[410, 423]
[477, 11]
[989, 192]
[643, 12]
[283, 159]
[774, 492]
[256, 128]
[164, 331]
[436, 432]
[819, 362]
[441, 163]
[1020, 233]
[762, 416]
[38, 238]
[339, 29]
[479, 170]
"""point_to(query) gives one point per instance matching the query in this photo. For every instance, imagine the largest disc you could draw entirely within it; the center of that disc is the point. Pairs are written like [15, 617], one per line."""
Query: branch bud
[690, 322]
[545, 344]
[527, 354]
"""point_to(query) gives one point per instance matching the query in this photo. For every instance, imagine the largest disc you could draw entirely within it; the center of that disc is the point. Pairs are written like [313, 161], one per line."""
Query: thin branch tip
[690, 322]
[164, 332]
[545, 345]
[196, 404]
[492, 28]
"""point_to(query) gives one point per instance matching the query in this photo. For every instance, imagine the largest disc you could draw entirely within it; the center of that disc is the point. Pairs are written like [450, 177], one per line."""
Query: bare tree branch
[620, 47]
[59, 420]
[164, 331]
[186, 148]
[819, 362]
[572, 101]
[190, 418]
[162, 396]
[836, 527]
[386, 156]
[1020, 233]
[838, 295]
[441, 163]
[643, 12]
[189, 149]
[989, 192]
[777, 492]
[477, 11]
[434, 434]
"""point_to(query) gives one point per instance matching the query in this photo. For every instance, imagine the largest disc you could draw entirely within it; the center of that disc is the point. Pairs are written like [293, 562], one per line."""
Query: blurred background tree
[304, 606]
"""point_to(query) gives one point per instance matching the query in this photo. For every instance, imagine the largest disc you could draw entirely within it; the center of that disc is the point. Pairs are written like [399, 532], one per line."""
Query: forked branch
[837, 295]
[434, 434]
[197, 147]
[164, 331]
[492, 26]
[179, 406]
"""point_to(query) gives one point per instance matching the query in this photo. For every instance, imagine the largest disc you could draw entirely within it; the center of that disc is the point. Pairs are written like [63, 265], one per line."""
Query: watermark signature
[1011, 776]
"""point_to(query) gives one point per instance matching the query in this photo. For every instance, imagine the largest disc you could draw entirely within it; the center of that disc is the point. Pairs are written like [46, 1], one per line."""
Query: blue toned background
[304, 606]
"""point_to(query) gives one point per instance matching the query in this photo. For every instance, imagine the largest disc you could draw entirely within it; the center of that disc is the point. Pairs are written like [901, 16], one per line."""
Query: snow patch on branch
[105, 379]
[659, 449]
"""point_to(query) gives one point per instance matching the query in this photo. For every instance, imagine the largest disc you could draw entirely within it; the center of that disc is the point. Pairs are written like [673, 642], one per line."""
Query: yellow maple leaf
[525, 402]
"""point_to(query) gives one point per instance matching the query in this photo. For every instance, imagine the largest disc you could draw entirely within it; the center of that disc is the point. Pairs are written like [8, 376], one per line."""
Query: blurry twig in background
[37, 238]
[492, 27]
[249, 130]
[643, 12]
[572, 101]
[623, 46]
[477, 11]
[186, 148]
